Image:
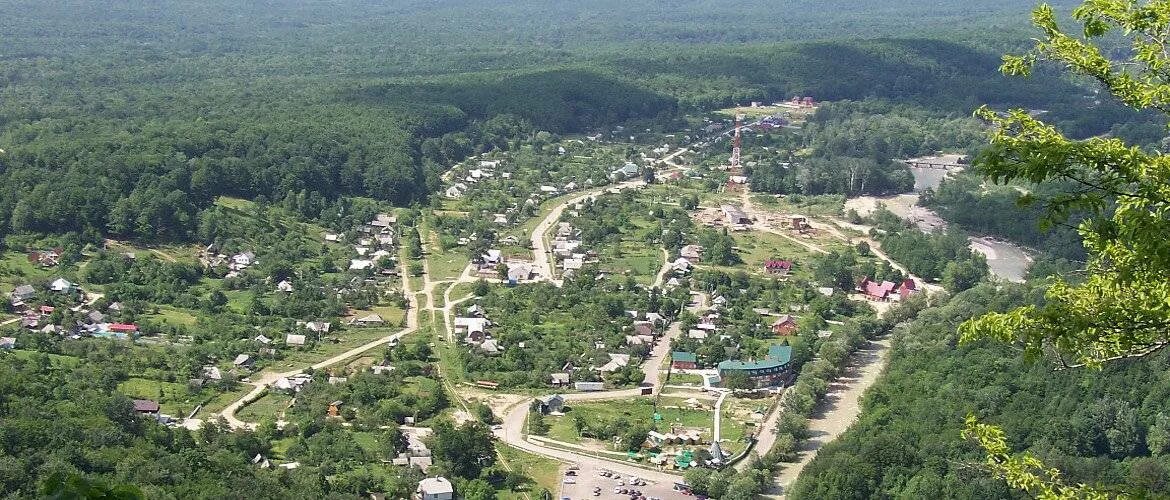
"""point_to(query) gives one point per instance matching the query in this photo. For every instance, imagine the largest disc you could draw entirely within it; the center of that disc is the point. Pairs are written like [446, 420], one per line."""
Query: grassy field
[639, 410]
[221, 400]
[805, 205]
[445, 265]
[756, 247]
[371, 442]
[238, 300]
[633, 258]
[173, 316]
[268, 406]
[685, 378]
[57, 360]
[393, 315]
[173, 398]
[16, 270]
[545, 472]
[280, 447]
[735, 423]
[350, 339]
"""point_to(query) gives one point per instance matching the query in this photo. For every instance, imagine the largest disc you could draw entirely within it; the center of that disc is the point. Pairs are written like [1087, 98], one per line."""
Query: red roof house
[123, 327]
[876, 291]
[907, 288]
[784, 325]
[773, 266]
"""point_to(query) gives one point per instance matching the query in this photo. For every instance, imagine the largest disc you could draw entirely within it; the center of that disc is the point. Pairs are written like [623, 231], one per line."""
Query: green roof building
[774, 369]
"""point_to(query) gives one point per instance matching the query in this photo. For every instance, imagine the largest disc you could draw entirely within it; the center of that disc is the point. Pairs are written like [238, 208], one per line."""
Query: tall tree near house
[1119, 309]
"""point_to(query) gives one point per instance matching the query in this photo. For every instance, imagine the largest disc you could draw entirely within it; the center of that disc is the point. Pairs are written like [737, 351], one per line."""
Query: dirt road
[266, 379]
[839, 409]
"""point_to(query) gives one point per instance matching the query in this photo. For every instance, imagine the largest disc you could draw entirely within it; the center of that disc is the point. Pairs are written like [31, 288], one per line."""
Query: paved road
[719, 413]
[513, 434]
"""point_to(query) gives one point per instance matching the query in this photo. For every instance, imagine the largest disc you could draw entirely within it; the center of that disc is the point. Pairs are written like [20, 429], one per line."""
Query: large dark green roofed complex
[771, 370]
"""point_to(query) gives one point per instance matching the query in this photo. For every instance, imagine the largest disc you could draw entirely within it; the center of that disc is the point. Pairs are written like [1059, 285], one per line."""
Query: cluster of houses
[689, 437]
[887, 291]
[46, 258]
[210, 257]
[484, 171]
[688, 256]
[645, 331]
[519, 271]
[417, 453]
[629, 170]
[375, 243]
[473, 326]
[567, 250]
[89, 322]
[490, 169]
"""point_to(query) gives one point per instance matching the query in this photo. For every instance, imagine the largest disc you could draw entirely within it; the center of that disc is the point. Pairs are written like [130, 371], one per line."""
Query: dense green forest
[964, 200]
[140, 116]
[1097, 427]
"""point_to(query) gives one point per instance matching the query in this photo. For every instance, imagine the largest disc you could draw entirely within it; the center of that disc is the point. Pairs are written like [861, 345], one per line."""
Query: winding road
[260, 386]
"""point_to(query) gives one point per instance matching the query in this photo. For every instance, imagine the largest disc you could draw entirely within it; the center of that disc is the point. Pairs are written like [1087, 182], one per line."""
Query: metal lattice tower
[735, 145]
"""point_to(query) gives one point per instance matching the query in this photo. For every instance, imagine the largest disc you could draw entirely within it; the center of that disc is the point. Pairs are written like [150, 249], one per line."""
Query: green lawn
[392, 314]
[635, 258]
[280, 447]
[446, 265]
[270, 405]
[238, 300]
[369, 441]
[733, 430]
[806, 205]
[462, 290]
[221, 400]
[756, 247]
[16, 270]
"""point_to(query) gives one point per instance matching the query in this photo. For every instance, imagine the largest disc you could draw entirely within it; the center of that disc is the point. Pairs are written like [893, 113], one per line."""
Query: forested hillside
[145, 158]
[1097, 427]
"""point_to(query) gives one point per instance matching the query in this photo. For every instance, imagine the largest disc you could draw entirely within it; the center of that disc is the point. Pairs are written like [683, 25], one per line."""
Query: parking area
[589, 481]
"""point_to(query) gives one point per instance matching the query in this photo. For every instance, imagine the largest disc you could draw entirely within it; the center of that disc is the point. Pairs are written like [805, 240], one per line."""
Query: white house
[435, 488]
[616, 361]
[360, 264]
[61, 285]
